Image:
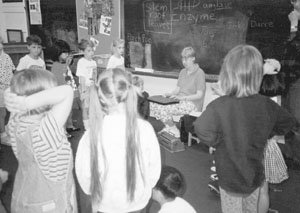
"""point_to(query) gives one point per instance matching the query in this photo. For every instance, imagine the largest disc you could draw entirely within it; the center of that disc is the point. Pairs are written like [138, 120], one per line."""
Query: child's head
[30, 81]
[117, 47]
[138, 82]
[62, 49]
[170, 184]
[242, 71]
[296, 4]
[188, 55]
[114, 87]
[86, 46]
[34, 45]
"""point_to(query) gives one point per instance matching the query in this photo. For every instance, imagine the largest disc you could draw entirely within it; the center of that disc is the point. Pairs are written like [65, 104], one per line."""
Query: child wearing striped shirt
[39, 109]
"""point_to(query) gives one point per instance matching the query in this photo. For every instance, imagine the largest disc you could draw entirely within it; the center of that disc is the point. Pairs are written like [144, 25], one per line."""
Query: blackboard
[157, 30]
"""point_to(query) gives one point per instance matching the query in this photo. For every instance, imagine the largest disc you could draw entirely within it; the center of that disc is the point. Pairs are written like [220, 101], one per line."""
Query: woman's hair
[84, 44]
[30, 81]
[188, 52]
[242, 71]
[60, 46]
[112, 88]
[171, 182]
[116, 43]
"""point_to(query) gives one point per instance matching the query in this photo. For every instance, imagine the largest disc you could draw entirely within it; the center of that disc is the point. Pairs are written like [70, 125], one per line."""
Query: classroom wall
[158, 86]
[13, 16]
[105, 41]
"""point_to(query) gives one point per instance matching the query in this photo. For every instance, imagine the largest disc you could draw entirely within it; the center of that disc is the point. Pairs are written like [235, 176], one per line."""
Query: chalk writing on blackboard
[212, 27]
[157, 16]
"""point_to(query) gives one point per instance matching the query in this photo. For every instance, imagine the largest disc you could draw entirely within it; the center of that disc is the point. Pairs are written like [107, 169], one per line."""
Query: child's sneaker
[214, 177]
[214, 186]
[213, 169]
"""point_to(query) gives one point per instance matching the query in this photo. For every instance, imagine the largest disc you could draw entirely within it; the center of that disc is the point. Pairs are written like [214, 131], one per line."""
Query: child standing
[294, 17]
[118, 159]
[6, 73]
[143, 102]
[238, 125]
[33, 59]
[39, 110]
[116, 60]
[167, 190]
[86, 71]
[63, 74]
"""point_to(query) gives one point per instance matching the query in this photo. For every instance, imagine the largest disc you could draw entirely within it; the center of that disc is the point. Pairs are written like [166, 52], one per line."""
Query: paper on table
[195, 113]
[143, 69]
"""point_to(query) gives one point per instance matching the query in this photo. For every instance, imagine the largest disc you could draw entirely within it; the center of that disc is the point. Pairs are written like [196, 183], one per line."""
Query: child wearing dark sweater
[238, 125]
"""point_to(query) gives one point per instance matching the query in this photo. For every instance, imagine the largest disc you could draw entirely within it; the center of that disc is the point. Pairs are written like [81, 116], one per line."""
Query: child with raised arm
[167, 191]
[6, 73]
[116, 60]
[32, 60]
[44, 179]
[86, 69]
[239, 125]
[118, 158]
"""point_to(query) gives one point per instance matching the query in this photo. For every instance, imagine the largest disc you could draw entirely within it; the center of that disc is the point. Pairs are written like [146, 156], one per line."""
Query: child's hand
[69, 60]
[13, 102]
[271, 67]
[167, 95]
[215, 87]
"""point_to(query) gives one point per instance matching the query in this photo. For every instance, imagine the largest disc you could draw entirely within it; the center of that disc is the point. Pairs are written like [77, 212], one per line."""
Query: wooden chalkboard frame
[166, 74]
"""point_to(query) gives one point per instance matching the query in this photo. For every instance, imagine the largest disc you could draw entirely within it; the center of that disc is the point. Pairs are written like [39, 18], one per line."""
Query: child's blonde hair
[242, 71]
[115, 44]
[83, 44]
[137, 81]
[188, 52]
[112, 88]
[29, 81]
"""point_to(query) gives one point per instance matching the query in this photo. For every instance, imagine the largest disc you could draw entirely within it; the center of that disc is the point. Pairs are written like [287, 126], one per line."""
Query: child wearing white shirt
[86, 71]
[33, 59]
[116, 60]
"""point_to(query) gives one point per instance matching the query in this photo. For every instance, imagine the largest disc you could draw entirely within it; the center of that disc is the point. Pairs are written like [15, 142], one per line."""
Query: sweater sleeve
[206, 127]
[284, 121]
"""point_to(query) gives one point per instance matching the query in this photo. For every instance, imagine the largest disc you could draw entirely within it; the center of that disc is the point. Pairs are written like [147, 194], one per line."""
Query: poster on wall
[105, 25]
[35, 12]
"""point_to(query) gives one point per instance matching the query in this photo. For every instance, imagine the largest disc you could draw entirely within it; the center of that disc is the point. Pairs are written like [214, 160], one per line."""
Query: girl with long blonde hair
[118, 159]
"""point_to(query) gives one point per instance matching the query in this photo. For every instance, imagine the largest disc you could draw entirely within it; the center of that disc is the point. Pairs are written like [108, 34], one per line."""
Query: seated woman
[190, 91]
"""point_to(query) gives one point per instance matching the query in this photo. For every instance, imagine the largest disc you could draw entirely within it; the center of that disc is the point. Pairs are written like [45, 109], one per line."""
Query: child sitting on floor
[166, 192]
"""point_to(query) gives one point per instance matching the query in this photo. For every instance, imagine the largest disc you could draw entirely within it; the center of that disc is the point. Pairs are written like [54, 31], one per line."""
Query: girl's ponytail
[95, 125]
[132, 134]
